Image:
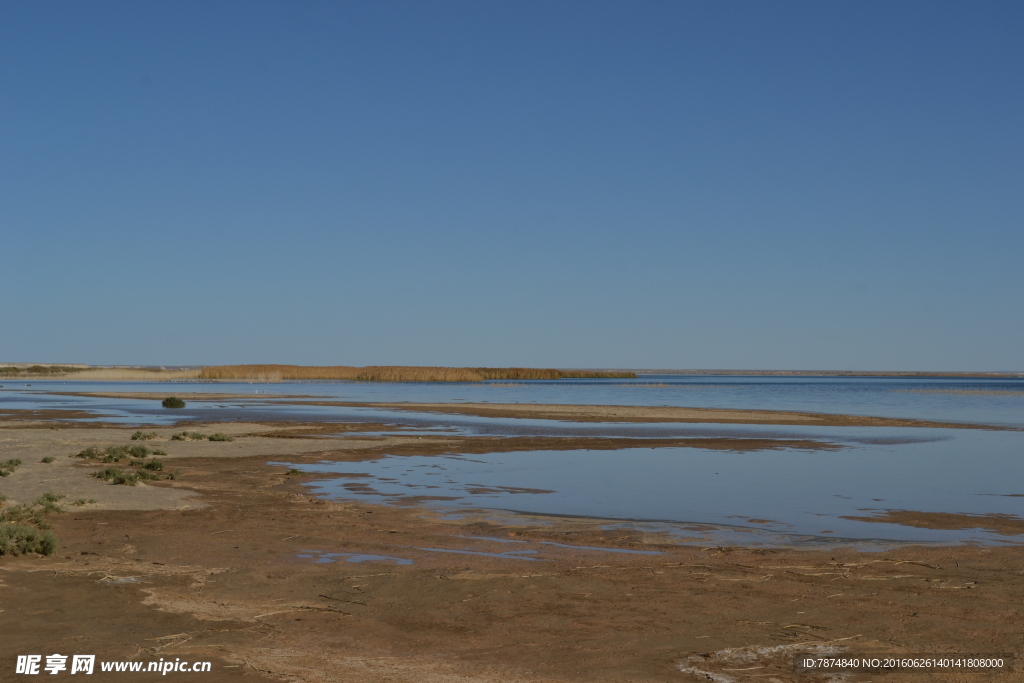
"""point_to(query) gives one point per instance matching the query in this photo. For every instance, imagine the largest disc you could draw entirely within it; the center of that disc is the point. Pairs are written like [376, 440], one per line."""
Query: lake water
[794, 496]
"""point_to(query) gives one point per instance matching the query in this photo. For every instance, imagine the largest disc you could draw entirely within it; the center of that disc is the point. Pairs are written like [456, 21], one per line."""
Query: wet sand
[209, 567]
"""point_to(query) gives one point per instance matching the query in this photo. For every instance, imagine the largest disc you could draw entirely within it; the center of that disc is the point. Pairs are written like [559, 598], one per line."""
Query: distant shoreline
[836, 373]
[278, 373]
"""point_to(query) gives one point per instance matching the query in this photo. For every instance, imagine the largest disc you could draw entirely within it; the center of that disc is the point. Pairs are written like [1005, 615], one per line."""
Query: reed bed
[392, 373]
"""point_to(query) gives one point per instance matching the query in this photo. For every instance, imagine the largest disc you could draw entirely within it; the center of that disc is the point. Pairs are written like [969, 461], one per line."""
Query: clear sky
[802, 185]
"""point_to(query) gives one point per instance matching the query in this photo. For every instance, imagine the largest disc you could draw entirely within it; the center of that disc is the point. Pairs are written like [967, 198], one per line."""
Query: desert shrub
[115, 475]
[47, 503]
[23, 528]
[143, 436]
[114, 453]
[294, 472]
[8, 466]
[189, 436]
[17, 539]
[83, 501]
[48, 459]
[220, 437]
[154, 465]
[157, 451]
[173, 402]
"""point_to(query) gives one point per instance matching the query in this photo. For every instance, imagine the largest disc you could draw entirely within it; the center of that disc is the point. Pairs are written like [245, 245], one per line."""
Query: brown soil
[1009, 525]
[224, 582]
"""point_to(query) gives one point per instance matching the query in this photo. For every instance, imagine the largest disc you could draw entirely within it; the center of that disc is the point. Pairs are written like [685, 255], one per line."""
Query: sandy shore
[210, 566]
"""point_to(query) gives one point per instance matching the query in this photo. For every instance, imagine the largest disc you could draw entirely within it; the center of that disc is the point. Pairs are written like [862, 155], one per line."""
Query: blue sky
[569, 184]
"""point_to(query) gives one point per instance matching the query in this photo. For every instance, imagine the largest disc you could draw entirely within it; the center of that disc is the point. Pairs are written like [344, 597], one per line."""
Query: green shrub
[173, 402]
[189, 436]
[220, 437]
[138, 451]
[16, 539]
[157, 451]
[294, 472]
[48, 459]
[154, 465]
[8, 466]
[143, 436]
[22, 527]
[115, 475]
[48, 502]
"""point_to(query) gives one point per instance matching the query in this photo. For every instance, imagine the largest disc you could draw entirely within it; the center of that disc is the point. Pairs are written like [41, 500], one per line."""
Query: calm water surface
[794, 496]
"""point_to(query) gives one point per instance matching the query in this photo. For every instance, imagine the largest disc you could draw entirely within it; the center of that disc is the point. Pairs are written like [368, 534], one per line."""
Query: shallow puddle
[327, 558]
[778, 495]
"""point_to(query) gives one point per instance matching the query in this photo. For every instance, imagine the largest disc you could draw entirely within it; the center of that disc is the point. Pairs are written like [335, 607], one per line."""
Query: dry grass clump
[145, 470]
[117, 453]
[143, 436]
[25, 529]
[7, 467]
[199, 436]
[392, 373]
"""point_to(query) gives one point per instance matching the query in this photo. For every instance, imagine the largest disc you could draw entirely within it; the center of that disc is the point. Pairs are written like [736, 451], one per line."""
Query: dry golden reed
[390, 373]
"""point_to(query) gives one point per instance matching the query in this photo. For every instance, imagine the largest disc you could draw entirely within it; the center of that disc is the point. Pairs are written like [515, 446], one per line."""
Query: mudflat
[233, 562]
[652, 414]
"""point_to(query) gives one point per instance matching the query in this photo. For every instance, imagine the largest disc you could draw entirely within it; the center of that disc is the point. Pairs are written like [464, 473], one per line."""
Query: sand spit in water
[1009, 525]
[653, 414]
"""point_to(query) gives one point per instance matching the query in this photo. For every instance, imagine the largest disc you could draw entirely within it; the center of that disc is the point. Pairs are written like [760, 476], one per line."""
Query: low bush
[7, 467]
[154, 465]
[16, 539]
[83, 501]
[143, 436]
[220, 437]
[189, 436]
[48, 459]
[173, 402]
[115, 453]
[24, 528]
[115, 475]
[157, 451]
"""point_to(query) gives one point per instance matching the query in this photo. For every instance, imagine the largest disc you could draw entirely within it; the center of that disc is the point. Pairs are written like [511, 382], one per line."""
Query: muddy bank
[652, 414]
[270, 583]
[1009, 525]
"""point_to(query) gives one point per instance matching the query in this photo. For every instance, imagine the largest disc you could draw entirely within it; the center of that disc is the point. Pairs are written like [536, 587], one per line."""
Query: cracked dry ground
[223, 582]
